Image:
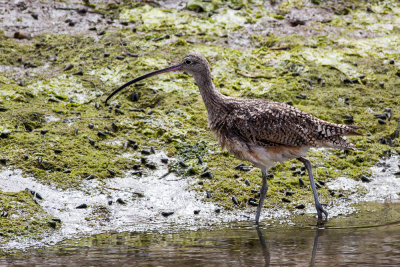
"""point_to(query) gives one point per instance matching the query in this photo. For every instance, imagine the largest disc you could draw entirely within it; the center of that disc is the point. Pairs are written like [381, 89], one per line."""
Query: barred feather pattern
[269, 124]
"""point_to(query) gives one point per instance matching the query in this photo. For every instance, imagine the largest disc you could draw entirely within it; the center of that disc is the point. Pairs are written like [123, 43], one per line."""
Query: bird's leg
[318, 205]
[263, 192]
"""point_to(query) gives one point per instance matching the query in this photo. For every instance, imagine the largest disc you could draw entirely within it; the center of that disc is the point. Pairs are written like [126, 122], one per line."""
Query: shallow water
[338, 242]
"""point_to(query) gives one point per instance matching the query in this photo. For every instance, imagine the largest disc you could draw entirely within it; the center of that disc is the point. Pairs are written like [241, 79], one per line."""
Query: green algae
[170, 115]
[24, 217]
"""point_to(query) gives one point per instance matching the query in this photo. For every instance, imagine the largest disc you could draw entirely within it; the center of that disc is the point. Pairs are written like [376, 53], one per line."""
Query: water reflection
[369, 238]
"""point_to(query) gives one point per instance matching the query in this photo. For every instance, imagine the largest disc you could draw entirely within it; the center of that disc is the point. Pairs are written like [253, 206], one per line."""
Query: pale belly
[264, 157]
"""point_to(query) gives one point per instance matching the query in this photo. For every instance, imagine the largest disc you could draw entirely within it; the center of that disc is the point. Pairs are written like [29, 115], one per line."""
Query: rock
[167, 213]
[235, 201]
[208, 194]
[136, 166]
[207, 174]
[121, 201]
[321, 182]
[135, 97]
[183, 164]
[112, 173]
[199, 159]
[286, 200]
[101, 134]
[301, 96]
[252, 202]
[44, 131]
[365, 179]
[35, 15]
[196, 212]
[22, 35]
[152, 150]
[382, 122]
[82, 206]
[301, 182]
[151, 166]
[3, 161]
[56, 220]
[67, 171]
[300, 207]
[317, 185]
[52, 224]
[92, 142]
[58, 151]
[145, 152]
[4, 214]
[391, 62]
[5, 134]
[247, 182]
[79, 73]
[90, 177]
[289, 193]
[90, 125]
[164, 160]
[217, 210]
[68, 67]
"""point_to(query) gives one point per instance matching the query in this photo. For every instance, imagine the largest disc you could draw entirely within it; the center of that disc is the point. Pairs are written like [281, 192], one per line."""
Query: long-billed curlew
[260, 131]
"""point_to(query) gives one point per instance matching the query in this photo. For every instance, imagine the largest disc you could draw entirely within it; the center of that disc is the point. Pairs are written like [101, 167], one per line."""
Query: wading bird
[260, 131]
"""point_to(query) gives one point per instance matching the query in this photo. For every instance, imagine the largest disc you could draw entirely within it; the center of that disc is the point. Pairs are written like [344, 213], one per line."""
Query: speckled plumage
[264, 132]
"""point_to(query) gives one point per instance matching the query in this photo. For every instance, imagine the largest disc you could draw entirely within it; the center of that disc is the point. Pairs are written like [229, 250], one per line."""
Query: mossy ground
[338, 74]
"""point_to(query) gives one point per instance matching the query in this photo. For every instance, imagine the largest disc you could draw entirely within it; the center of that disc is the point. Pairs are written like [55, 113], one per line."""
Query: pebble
[183, 164]
[199, 159]
[118, 111]
[120, 57]
[3, 109]
[200, 183]
[152, 150]
[348, 118]
[90, 125]
[101, 134]
[58, 151]
[68, 67]
[138, 173]
[301, 96]
[151, 166]
[196, 212]
[365, 179]
[301, 182]
[45, 131]
[252, 202]
[317, 185]
[82, 206]
[22, 35]
[90, 177]
[289, 193]
[3, 161]
[208, 194]
[136, 166]
[145, 152]
[321, 182]
[391, 62]
[164, 160]
[300, 207]
[112, 173]
[5, 134]
[167, 213]
[52, 224]
[380, 121]
[286, 200]
[207, 174]
[121, 201]
[4, 214]
[67, 171]
[235, 201]
[217, 210]
[76, 132]
[92, 142]
[135, 97]
[79, 73]
[35, 15]
[247, 182]
[56, 220]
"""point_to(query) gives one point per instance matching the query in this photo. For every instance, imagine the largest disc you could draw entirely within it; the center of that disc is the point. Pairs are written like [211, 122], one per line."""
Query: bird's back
[275, 127]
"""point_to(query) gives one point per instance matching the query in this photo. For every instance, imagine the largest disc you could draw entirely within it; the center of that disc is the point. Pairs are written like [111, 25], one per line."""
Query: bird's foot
[321, 210]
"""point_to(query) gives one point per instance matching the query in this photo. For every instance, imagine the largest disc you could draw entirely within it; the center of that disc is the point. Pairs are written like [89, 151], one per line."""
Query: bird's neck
[213, 100]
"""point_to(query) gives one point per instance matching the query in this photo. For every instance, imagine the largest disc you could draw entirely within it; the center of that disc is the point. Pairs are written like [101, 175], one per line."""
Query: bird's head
[194, 64]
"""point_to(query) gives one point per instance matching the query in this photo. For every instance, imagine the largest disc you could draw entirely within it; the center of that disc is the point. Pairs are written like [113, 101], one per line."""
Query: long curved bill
[171, 68]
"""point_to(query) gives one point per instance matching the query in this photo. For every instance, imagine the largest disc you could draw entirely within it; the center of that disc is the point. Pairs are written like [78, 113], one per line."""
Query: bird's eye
[188, 62]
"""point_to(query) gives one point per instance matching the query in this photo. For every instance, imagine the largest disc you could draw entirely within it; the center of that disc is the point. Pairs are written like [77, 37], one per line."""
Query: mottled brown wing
[271, 124]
